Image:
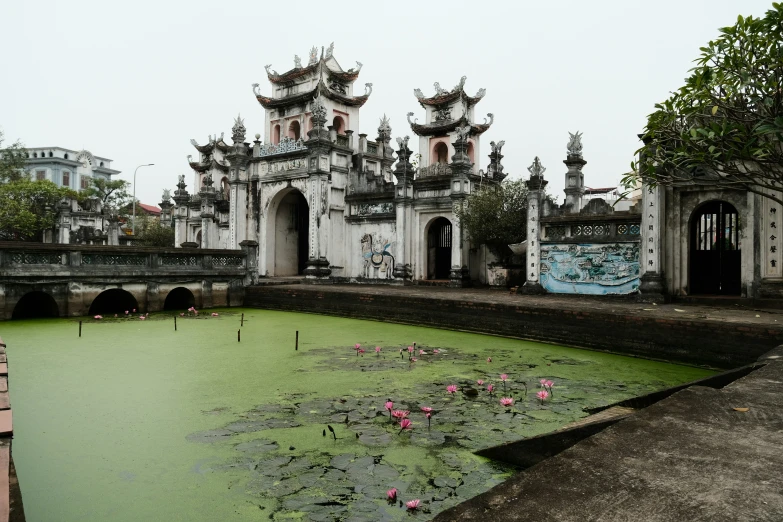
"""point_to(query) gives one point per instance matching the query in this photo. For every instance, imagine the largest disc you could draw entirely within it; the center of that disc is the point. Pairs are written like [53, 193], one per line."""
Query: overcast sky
[135, 81]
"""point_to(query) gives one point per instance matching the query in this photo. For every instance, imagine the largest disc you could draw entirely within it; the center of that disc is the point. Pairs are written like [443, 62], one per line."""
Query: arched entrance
[35, 304]
[715, 250]
[292, 234]
[439, 249]
[179, 298]
[113, 301]
[440, 153]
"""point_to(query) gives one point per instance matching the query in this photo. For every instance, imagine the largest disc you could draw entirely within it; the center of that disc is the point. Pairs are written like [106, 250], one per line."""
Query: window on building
[51, 154]
[35, 154]
[440, 153]
[85, 182]
[339, 125]
[66, 179]
[101, 164]
[66, 155]
[40, 175]
[276, 135]
[293, 130]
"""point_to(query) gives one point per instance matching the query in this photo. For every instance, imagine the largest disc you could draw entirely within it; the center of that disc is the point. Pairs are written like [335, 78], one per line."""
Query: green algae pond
[134, 421]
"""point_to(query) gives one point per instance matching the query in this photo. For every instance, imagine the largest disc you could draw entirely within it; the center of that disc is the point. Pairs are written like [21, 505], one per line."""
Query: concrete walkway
[703, 454]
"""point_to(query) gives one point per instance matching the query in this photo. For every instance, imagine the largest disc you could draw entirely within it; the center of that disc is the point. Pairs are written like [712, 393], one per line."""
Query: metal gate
[715, 250]
[439, 249]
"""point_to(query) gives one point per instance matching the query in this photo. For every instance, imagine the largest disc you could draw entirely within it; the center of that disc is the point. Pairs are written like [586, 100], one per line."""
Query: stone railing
[372, 148]
[599, 229]
[438, 169]
[342, 141]
[25, 257]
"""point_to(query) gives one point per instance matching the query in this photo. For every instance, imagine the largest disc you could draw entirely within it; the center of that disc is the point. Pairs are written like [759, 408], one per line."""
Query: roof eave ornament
[491, 119]
[256, 90]
[272, 73]
[238, 130]
[313, 56]
[367, 89]
[414, 119]
[330, 50]
[481, 93]
[419, 95]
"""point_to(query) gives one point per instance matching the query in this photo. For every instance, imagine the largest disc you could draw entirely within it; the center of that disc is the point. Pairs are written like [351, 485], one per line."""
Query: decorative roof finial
[460, 85]
[384, 129]
[330, 50]
[166, 196]
[536, 169]
[575, 144]
[419, 95]
[319, 113]
[438, 89]
[463, 132]
[238, 130]
[297, 62]
[313, 56]
[367, 89]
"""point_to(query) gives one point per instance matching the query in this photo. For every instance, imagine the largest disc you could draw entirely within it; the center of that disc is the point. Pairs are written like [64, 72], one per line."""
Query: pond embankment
[11, 508]
[722, 337]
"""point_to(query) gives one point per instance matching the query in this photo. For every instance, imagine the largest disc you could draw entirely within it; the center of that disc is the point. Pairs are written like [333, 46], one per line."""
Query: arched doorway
[439, 249]
[294, 130]
[113, 301]
[715, 250]
[440, 153]
[35, 304]
[179, 298]
[292, 235]
[339, 125]
[471, 152]
[276, 135]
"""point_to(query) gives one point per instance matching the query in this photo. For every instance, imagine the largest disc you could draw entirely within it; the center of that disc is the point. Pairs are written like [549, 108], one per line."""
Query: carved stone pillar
[652, 286]
[535, 188]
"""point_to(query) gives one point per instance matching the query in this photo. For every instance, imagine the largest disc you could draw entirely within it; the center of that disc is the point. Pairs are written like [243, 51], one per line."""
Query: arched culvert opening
[114, 301]
[179, 299]
[36, 304]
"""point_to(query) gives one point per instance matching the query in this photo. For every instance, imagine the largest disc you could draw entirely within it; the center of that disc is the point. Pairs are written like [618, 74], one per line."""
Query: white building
[67, 168]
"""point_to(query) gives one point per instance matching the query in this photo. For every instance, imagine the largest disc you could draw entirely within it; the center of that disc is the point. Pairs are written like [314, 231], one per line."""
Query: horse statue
[376, 255]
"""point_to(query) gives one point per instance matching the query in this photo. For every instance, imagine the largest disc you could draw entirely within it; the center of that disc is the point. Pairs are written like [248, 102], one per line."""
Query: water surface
[135, 421]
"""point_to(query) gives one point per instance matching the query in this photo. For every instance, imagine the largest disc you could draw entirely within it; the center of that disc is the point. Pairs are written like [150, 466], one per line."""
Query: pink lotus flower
[426, 409]
[361, 350]
[428, 415]
[134, 310]
[507, 401]
[405, 424]
[378, 350]
[126, 312]
[400, 414]
[389, 405]
[391, 494]
[436, 351]
[503, 376]
[142, 317]
[182, 314]
[422, 352]
[543, 394]
[413, 504]
[413, 359]
[115, 316]
[357, 346]
[480, 382]
[489, 359]
[543, 382]
[490, 388]
[98, 317]
[548, 384]
[410, 349]
[215, 314]
[451, 388]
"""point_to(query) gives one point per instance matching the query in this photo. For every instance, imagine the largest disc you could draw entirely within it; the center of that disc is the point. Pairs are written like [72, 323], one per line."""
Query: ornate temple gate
[715, 250]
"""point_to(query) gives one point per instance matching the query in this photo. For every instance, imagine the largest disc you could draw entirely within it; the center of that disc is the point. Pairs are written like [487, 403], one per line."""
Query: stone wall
[723, 345]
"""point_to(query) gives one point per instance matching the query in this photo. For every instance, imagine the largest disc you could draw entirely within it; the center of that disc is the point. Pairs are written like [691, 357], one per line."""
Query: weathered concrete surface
[723, 337]
[690, 457]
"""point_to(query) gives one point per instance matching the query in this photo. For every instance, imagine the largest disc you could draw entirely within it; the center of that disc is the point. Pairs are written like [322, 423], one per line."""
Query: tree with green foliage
[151, 232]
[496, 216]
[113, 193]
[12, 161]
[724, 128]
[28, 208]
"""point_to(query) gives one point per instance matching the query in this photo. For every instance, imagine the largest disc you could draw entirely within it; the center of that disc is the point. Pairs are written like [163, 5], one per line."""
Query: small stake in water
[297, 340]
[242, 322]
[175, 323]
[80, 328]
[239, 335]
[332, 430]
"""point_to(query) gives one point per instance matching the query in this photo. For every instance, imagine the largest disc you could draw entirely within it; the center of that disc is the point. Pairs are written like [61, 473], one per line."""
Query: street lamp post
[133, 229]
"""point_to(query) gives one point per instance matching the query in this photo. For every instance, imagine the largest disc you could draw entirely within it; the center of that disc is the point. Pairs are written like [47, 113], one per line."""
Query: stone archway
[715, 253]
[35, 304]
[287, 234]
[439, 249]
[113, 301]
[179, 298]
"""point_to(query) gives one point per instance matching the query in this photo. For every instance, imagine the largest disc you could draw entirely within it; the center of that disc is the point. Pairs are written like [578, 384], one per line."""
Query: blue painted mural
[591, 269]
